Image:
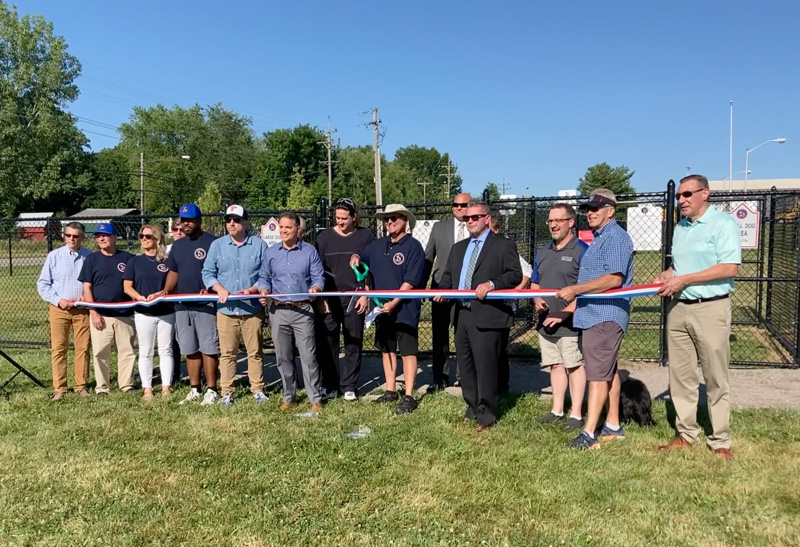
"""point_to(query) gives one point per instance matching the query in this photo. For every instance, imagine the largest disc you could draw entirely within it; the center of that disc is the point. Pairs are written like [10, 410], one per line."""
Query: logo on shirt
[566, 258]
[200, 254]
[121, 267]
[398, 259]
[741, 213]
[162, 268]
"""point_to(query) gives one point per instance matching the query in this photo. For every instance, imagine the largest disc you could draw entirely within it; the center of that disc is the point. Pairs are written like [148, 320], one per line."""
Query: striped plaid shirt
[59, 277]
[611, 252]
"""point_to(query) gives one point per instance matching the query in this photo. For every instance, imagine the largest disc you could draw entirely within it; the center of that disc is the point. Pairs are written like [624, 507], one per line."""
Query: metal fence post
[10, 256]
[323, 212]
[797, 300]
[762, 236]
[770, 257]
[666, 251]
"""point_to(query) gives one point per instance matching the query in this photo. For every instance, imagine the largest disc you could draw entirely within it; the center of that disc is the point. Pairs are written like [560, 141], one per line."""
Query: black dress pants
[328, 331]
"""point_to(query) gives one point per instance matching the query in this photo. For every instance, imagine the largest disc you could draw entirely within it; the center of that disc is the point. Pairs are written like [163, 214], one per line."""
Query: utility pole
[141, 185]
[503, 187]
[424, 191]
[449, 176]
[375, 123]
[329, 145]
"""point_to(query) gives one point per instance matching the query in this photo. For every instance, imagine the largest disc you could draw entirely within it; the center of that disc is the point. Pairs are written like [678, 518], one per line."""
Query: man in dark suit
[483, 263]
[443, 235]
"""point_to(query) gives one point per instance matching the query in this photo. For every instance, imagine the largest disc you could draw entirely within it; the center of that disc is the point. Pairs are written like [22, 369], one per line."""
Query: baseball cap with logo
[598, 200]
[189, 210]
[105, 228]
[235, 211]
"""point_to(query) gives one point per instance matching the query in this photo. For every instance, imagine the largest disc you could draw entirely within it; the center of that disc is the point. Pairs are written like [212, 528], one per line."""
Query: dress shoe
[83, 392]
[677, 443]
[724, 453]
[58, 394]
[285, 406]
[316, 407]
[480, 428]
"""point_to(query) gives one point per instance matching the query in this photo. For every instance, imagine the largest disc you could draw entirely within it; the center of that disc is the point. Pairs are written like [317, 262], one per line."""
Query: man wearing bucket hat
[396, 261]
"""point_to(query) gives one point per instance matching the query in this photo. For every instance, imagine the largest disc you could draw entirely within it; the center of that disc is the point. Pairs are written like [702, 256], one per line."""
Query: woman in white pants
[144, 280]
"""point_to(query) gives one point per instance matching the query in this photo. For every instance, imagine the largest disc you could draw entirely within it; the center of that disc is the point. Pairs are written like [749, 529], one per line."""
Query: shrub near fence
[765, 302]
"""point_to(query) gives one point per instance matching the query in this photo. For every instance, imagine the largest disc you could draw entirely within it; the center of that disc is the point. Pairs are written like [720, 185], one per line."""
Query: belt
[701, 300]
[297, 304]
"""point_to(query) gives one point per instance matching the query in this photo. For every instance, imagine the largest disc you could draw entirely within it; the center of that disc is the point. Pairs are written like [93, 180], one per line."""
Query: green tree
[283, 153]
[494, 191]
[210, 202]
[301, 195]
[602, 175]
[41, 149]
[110, 181]
[355, 174]
[428, 165]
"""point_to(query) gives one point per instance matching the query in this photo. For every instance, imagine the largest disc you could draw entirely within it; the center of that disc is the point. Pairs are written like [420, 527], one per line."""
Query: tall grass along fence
[765, 302]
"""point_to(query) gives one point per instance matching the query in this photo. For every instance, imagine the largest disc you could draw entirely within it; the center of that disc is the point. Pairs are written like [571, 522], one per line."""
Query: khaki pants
[699, 334]
[61, 321]
[249, 327]
[120, 332]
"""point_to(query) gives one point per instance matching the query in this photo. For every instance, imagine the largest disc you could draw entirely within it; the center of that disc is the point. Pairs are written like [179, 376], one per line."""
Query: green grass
[114, 471]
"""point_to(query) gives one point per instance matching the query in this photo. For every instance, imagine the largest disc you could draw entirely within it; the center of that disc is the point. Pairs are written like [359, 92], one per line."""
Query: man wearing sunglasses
[232, 267]
[706, 253]
[443, 236]
[196, 323]
[58, 285]
[396, 261]
[606, 264]
[102, 278]
[335, 247]
[483, 263]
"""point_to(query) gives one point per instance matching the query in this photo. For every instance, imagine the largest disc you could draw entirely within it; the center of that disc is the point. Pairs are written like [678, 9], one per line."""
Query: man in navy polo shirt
[606, 264]
[196, 323]
[101, 276]
[396, 261]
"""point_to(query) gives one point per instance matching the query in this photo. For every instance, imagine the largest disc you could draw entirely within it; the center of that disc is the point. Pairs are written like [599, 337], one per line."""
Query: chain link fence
[765, 302]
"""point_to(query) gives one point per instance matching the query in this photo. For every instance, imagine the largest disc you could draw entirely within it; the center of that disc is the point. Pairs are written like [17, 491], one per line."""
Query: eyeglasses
[73, 236]
[146, 236]
[556, 221]
[460, 205]
[393, 218]
[687, 194]
[475, 218]
[233, 219]
[595, 209]
[98, 236]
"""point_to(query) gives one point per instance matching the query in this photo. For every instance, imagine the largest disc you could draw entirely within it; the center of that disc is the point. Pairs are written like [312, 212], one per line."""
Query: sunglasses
[595, 209]
[73, 236]
[687, 194]
[146, 236]
[475, 218]
[345, 201]
[233, 219]
[393, 218]
[460, 205]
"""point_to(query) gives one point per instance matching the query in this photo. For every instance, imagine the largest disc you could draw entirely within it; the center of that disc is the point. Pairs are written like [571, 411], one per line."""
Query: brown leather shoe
[724, 453]
[480, 428]
[316, 407]
[83, 392]
[58, 394]
[285, 406]
[677, 443]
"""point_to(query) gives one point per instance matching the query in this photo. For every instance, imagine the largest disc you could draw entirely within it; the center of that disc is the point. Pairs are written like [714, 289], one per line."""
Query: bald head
[460, 203]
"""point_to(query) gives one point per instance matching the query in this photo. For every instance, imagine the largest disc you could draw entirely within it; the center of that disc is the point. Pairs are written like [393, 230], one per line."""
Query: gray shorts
[197, 330]
[600, 347]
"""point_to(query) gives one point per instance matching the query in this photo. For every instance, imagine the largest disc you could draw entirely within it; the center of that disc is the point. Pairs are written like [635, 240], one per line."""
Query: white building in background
[737, 185]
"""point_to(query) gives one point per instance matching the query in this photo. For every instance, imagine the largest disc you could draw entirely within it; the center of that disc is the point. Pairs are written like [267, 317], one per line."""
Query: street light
[141, 179]
[780, 140]
[730, 180]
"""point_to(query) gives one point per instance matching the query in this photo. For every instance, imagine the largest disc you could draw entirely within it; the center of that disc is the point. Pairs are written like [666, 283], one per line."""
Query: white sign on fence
[270, 232]
[645, 226]
[422, 231]
[748, 219]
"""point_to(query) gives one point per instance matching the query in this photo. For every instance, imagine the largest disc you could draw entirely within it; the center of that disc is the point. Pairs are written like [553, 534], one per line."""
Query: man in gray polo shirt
[555, 266]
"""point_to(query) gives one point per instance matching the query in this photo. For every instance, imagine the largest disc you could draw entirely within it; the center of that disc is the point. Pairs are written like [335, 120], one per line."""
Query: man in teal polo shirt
[706, 253]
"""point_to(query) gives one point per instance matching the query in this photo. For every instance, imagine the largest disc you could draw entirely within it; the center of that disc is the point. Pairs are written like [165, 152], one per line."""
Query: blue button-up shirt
[479, 241]
[236, 268]
[59, 277]
[611, 252]
[292, 270]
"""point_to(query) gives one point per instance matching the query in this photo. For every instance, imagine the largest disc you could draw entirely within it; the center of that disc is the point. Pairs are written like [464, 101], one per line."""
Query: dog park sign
[749, 221]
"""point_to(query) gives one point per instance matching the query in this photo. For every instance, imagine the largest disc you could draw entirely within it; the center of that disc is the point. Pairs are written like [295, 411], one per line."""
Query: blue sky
[532, 93]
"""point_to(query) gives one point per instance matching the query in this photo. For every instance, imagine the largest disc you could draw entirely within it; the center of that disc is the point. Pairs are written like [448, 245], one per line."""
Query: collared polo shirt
[236, 268]
[295, 270]
[611, 252]
[393, 263]
[696, 246]
[555, 268]
[59, 277]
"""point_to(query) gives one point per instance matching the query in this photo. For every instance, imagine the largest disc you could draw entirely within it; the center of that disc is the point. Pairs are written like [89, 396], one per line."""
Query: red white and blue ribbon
[414, 294]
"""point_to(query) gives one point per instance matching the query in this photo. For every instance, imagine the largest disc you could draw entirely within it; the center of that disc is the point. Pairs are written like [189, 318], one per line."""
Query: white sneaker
[350, 396]
[210, 398]
[194, 395]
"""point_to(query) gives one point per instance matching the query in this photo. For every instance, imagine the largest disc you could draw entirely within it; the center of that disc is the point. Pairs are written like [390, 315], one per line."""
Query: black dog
[635, 403]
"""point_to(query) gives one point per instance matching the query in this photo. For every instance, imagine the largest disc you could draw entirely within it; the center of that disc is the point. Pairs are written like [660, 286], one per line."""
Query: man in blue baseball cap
[195, 322]
[101, 276]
